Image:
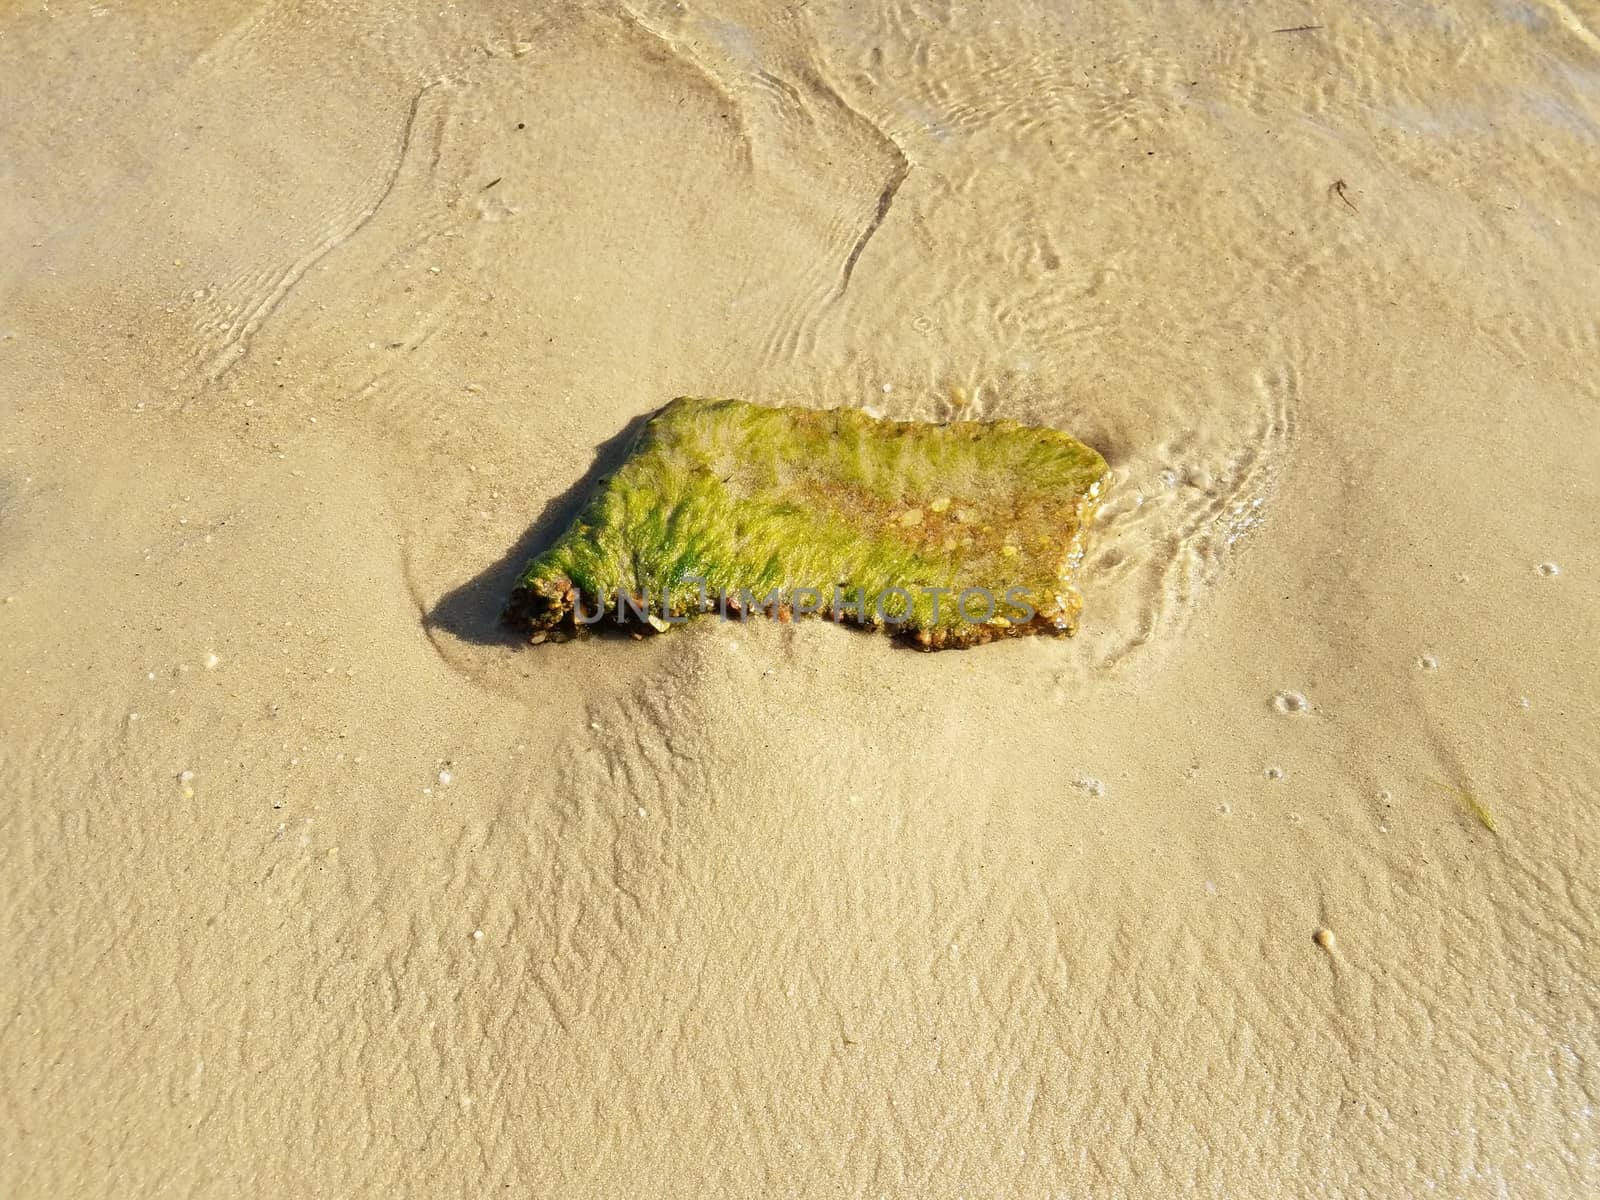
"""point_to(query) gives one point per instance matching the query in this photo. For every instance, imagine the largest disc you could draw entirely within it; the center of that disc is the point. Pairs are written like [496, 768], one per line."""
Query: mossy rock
[951, 535]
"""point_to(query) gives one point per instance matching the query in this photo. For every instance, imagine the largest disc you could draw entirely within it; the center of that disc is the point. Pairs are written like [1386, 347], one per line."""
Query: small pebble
[1323, 938]
[1273, 772]
[1548, 569]
[1291, 702]
[212, 662]
[1522, 702]
[1428, 663]
[1088, 783]
[444, 778]
[477, 935]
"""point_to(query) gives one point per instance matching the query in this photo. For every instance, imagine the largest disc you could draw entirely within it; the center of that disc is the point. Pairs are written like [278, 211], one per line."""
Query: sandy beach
[1278, 879]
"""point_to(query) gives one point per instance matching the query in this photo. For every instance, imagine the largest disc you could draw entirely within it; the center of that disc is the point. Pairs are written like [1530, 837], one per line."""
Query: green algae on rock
[952, 535]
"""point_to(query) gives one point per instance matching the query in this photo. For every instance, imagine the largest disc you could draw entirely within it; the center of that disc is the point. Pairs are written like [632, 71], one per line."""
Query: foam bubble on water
[1291, 702]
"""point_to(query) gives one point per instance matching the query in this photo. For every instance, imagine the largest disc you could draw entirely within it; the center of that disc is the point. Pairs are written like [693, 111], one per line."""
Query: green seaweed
[722, 504]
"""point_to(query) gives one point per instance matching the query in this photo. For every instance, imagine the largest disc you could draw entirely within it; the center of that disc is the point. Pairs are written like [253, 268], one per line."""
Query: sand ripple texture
[1277, 880]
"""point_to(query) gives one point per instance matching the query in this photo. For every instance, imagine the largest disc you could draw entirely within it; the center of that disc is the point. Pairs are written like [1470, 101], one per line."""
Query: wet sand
[1276, 880]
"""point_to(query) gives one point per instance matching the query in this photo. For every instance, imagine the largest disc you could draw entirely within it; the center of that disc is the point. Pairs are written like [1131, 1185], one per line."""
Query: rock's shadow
[472, 611]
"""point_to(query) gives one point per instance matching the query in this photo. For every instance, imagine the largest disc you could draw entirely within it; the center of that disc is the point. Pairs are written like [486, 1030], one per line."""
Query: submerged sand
[314, 320]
